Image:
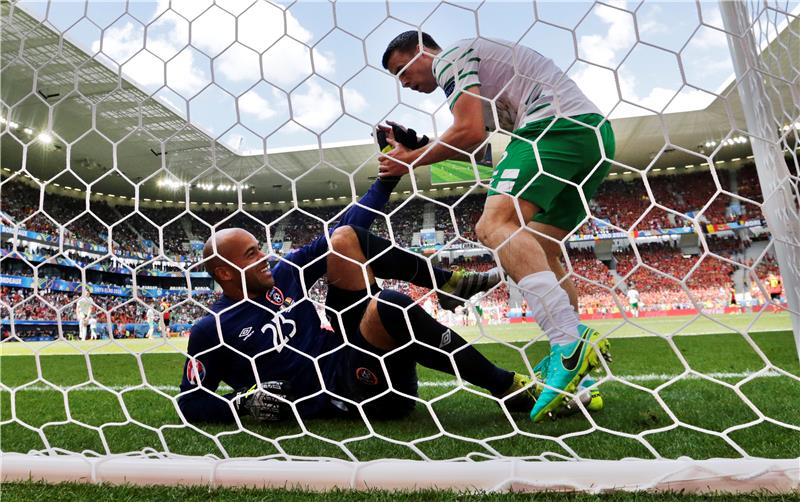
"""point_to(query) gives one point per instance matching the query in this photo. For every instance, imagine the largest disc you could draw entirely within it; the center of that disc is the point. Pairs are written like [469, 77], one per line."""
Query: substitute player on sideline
[83, 311]
[532, 97]
[267, 323]
[633, 300]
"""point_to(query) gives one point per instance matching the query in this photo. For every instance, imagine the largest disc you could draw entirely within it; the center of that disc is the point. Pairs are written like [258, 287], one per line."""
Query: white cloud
[707, 37]
[354, 102]
[288, 62]
[254, 104]
[239, 64]
[602, 49]
[605, 87]
[121, 42]
[213, 31]
[263, 27]
[315, 108]
[183, 74]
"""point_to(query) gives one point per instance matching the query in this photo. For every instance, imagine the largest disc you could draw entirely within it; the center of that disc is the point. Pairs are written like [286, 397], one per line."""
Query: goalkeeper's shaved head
[233, 253]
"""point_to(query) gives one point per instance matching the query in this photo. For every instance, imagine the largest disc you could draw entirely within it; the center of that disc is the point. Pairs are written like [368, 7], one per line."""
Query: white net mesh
[132, 132]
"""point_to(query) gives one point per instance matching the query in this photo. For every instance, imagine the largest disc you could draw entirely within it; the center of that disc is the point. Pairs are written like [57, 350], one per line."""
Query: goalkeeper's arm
[266, 402]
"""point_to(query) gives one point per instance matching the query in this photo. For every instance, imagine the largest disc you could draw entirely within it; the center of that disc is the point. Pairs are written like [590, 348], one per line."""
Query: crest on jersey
[195, 371]
[275, 296]
[449, 87]
[288, 301]
[366, 376]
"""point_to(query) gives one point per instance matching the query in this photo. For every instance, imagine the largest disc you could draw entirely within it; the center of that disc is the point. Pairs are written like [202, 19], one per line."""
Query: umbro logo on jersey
[445, 340]
[246, 332]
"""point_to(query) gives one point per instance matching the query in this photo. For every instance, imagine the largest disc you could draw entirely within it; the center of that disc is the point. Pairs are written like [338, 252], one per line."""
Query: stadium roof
[44, 74]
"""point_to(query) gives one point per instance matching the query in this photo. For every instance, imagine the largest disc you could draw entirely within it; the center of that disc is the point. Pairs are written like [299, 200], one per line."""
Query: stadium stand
[601, 285]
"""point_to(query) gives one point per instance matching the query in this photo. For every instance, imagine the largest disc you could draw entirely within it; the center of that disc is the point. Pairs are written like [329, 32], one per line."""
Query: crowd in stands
[662, 274]
[22, 304]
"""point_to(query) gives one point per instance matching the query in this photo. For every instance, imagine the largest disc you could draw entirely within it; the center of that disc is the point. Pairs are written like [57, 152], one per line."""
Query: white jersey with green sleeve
[524, 85]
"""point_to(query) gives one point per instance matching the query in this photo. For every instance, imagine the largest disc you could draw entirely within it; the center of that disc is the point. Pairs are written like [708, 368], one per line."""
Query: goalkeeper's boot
[567, 366]
[464, 284]
[591, 399]
[521, 396]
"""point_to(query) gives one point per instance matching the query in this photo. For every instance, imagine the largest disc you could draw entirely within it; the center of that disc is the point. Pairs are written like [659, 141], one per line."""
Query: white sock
[550, 306]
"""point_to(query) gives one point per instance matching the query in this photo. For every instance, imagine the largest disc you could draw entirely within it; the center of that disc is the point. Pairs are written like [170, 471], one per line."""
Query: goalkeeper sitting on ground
[269, 336]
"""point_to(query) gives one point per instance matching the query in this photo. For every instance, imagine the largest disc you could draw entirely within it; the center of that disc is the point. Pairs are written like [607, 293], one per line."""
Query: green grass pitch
[699, 416]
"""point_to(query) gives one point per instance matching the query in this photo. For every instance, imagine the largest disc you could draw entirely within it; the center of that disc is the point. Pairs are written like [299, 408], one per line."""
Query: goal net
[134, 134]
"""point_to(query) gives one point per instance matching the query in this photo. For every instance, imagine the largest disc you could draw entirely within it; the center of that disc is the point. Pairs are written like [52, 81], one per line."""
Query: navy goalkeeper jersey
[278, 336]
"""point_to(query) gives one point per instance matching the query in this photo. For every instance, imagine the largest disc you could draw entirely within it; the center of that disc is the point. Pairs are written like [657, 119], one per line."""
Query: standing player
[774, 287]
[165, 316]
[557, 132]
[93, 327]
[285, 365]
[151, 321]
[83, 310]
[633, 300]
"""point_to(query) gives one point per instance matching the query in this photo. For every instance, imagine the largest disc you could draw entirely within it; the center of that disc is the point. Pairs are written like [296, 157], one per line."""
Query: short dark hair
[407, 42]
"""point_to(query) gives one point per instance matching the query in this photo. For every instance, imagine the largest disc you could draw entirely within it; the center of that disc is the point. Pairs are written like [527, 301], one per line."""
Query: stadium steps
[429, 215]
[186, 223]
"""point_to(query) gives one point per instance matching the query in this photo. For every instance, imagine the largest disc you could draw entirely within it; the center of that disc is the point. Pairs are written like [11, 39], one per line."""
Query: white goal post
[591, 476]
[768, 109]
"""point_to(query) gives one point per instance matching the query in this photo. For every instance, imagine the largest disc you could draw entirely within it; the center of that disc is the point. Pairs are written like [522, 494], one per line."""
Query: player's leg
[393, 320]
[82, 327]
[354, 246]
[549, 237]
[570, 152]
[361, 376]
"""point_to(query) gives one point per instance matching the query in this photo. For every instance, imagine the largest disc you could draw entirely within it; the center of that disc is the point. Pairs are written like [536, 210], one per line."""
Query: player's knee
[392, 307]
[483, 229]
[344, 238]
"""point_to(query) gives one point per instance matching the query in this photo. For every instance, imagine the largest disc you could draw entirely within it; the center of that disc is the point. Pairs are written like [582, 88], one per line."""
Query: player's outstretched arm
[466, 134]
[362, 215]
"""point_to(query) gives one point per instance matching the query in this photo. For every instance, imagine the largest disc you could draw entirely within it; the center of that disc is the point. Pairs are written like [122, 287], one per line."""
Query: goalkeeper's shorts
[360, 376]
[567, 150]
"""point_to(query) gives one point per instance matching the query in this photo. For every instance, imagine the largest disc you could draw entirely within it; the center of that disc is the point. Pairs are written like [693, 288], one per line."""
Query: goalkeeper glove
[263, 401]
[406, 137]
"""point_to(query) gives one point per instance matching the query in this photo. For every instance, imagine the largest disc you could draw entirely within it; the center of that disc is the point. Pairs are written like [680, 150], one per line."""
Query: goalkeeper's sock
[472, 365]
[397, 263]
[550, 306]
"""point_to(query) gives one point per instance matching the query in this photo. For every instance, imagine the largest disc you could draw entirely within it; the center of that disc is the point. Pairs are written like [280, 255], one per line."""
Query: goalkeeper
[266, 342]
[558, 134]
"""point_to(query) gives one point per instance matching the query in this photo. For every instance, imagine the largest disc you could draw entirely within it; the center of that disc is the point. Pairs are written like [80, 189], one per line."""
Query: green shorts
[567, 150]
[635, 306]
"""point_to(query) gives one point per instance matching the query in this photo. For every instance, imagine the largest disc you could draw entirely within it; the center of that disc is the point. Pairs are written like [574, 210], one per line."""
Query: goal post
[778, 184]
[591, 476]
[130, 135]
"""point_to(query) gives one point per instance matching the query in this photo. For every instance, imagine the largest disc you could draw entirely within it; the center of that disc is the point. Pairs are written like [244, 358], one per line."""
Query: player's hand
[394, 163]
[266, 402]
[403, 135]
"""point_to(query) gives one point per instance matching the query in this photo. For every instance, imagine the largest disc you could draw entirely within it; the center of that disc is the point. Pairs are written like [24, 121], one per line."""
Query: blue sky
[205, 61]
